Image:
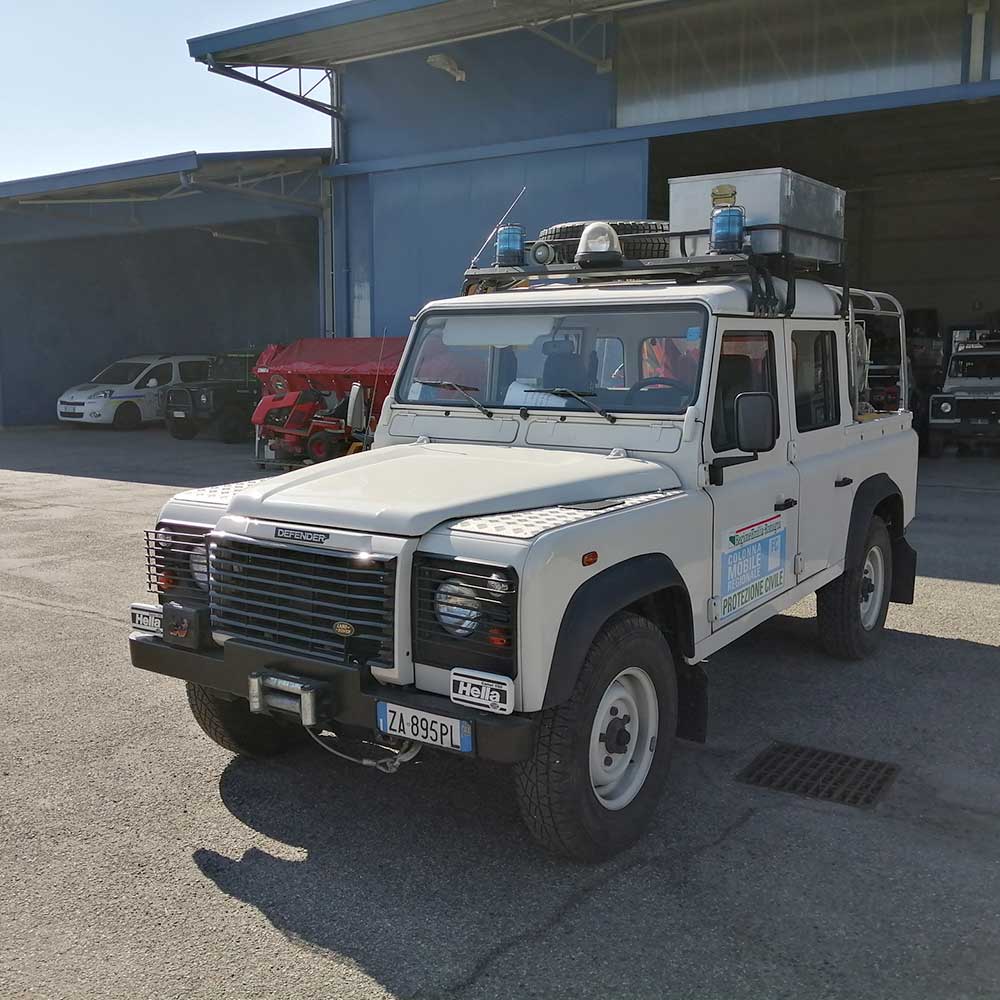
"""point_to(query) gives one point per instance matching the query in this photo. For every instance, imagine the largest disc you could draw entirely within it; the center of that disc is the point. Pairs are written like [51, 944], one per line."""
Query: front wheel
[127, 417]
[601, 758]
[234, 727]
[851, 610]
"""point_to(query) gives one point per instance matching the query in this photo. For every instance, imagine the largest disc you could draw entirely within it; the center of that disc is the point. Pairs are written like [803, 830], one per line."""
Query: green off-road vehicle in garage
[222, 404]
[582, 486]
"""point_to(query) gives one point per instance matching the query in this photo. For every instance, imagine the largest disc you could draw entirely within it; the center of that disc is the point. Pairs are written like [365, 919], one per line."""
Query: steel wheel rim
[872, 586]
[630, 695]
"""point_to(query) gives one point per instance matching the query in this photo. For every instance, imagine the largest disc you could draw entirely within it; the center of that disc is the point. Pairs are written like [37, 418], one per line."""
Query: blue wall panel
[71, 307]
[428, 222]
[517, 86]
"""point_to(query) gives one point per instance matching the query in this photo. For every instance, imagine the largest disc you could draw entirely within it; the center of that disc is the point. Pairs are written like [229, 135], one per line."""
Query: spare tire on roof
[643, 239]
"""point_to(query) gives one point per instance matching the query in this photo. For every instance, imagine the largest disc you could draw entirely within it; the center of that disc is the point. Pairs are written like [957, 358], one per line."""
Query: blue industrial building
[442, 110]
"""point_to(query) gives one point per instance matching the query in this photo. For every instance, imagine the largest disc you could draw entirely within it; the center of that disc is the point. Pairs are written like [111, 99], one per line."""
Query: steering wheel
[646, 383]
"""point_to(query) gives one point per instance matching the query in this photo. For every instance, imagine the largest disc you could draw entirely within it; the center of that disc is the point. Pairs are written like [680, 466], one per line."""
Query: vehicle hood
[81, 393]
[411, 488]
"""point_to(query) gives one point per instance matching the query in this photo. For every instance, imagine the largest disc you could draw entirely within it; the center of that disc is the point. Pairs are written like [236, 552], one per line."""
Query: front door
[755, 509]
[817, 379]
[154, 397]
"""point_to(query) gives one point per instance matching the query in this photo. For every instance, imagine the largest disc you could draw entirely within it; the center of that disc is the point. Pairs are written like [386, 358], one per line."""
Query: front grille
[492, 645]
[979, 409]
[70, 415]
[69, 402]
[303, 600]
[169, 548]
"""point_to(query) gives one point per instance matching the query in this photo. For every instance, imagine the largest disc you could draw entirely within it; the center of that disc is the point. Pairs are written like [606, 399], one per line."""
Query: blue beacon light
[510, 245]
[727, 229]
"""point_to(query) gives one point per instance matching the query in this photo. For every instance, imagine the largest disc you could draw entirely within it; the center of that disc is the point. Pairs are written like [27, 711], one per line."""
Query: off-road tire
[183, 430]
[645, 239]
[234, 426]
[935, 444]
[232, 725]
[127, 418]
[554, 790]
[838, 604]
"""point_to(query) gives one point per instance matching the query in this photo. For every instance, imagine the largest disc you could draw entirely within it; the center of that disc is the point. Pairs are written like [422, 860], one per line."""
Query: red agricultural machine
[307, 385]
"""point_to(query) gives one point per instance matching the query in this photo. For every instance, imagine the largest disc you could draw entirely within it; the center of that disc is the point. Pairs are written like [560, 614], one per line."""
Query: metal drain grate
[820, 774]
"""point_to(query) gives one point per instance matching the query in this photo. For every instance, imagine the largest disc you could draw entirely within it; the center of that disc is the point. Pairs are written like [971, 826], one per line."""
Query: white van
[132, 391]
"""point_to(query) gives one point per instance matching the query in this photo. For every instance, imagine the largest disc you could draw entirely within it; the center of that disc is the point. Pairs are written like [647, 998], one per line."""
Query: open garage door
[923, 198]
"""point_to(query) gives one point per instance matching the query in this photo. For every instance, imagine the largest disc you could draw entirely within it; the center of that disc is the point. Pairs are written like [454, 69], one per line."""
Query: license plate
[437, 730]
[147, 618]
[979, 420]
[180, 413]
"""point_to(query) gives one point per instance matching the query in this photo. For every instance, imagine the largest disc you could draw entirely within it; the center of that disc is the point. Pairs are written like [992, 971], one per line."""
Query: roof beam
[299, 96]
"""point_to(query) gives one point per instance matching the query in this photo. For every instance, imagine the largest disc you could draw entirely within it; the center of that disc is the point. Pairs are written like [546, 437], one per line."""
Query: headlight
[946, 407]
[102, 394]
[198, 564]
[457, 608]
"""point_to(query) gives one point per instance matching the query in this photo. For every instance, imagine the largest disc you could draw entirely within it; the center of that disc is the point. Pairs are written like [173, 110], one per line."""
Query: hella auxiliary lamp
[599, 246]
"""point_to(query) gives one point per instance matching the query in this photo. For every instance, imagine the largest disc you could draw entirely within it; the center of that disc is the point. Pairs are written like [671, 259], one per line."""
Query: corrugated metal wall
[722, 57]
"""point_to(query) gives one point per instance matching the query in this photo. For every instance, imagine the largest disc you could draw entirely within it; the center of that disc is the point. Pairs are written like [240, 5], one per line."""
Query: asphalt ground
[141, 860]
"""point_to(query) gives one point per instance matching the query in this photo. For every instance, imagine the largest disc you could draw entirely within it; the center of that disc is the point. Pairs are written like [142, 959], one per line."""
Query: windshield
[976, 366]
[231, 368]
[121, 373]
[625, 360]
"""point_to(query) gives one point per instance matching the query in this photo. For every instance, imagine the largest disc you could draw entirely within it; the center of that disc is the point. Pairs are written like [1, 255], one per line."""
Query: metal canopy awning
[365, 29]
[163, 176]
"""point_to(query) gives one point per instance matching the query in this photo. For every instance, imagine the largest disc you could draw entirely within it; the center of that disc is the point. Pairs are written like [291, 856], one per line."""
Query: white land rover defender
[967, 409]
[583, 485]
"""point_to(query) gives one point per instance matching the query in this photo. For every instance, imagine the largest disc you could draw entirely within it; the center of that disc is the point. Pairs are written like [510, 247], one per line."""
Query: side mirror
[755, 430]
[153, 383]
[357, 412]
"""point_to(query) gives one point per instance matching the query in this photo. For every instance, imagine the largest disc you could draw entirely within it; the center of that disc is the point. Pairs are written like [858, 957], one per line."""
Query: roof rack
[760, 268]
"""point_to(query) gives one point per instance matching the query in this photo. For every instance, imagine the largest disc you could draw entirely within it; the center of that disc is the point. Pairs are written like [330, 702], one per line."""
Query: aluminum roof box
[802, 216]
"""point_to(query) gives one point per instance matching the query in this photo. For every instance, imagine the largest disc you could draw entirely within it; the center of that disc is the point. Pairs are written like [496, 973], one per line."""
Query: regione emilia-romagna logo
[753, 567]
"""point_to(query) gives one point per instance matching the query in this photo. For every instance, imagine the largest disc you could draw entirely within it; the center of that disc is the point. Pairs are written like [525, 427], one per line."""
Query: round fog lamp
[457, 608]
[198, 563]
[946, 407]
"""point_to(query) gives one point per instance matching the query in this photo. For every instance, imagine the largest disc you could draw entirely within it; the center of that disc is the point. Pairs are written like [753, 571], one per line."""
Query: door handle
[786, 504]
[846, 481]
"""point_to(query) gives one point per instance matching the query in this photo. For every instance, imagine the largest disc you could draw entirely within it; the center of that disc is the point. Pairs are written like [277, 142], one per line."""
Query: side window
[162, 373]
[193, 371]
[610, 363]
[746, 364]
[814, 369]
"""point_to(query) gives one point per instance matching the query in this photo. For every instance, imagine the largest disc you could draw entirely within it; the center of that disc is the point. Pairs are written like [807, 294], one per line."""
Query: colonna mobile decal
[753, 566]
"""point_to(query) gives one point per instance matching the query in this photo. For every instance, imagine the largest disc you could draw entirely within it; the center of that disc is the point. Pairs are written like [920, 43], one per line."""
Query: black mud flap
[904, 571]
[692, 703]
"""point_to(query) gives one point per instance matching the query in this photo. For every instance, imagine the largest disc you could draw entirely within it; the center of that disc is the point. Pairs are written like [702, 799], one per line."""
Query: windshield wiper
[580, 397]
[465, 390]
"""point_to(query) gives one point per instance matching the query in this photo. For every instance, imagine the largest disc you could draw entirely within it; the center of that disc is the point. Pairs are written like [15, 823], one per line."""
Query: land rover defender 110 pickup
[582, 485]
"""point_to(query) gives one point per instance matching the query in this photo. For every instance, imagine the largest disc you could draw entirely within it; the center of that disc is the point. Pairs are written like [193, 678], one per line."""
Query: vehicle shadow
[149, 456]
[427, 879]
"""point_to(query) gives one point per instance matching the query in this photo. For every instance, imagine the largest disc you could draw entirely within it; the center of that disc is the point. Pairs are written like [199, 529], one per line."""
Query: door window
[193, 371]
[814, 369]
[746, 364]
[162, 373]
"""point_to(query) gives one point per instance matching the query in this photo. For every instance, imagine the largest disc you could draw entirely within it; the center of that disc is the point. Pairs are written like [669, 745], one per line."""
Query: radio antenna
[378, 371]
[493, 231]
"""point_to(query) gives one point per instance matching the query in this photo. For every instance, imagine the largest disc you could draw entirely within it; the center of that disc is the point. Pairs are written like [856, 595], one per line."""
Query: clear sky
[87, 82]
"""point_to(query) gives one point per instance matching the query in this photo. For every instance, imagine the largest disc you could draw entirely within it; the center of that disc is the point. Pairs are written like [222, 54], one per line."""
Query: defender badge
[343, 628]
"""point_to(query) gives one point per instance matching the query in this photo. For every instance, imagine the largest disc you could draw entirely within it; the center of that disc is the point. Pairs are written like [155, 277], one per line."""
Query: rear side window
[163, 374]
[814, 368]
[746, 364]
[194, 371]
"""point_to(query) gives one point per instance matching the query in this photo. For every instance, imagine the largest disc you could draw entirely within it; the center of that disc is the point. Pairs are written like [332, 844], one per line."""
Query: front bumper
[966, 428]
[93, 411]
[353, 693]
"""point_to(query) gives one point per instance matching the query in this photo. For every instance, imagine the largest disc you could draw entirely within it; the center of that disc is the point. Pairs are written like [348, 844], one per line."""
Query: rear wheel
[233, 726]
[851, 610]
[601, 758]
[183, 430]
[234, 426]
[323, 446]
[127, 417]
